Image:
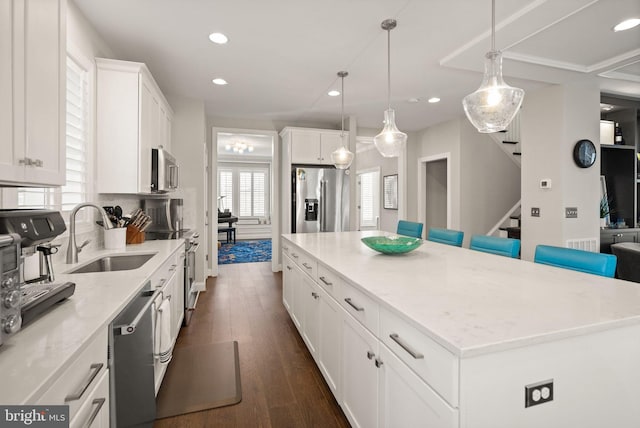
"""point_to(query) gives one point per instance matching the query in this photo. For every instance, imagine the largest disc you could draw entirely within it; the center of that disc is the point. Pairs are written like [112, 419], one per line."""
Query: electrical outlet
[535, 212]
[538, 393]
[571, 212]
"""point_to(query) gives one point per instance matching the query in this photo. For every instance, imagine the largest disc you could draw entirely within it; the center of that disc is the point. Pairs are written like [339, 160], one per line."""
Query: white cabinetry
[32, 83]
[312, 146]
[132, 118]
[85, 380]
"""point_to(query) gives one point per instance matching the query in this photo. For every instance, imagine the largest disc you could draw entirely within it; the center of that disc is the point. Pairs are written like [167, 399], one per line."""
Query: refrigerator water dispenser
[311, 210]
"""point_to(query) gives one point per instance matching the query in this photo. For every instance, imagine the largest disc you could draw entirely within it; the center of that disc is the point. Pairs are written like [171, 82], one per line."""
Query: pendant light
[493, 106]
[342, 157]
[390, 140]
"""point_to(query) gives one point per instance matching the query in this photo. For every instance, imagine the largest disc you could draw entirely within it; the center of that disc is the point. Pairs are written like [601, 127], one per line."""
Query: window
[244, 189]
[369, 198]
[78, 117]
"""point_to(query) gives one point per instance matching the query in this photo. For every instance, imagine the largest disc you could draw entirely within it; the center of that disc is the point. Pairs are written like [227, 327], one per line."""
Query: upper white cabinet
[311, 146]
[33, 87]
[133, 117]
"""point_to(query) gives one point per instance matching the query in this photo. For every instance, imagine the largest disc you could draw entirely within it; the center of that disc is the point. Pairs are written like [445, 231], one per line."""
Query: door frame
[273, 200]
[422, 177]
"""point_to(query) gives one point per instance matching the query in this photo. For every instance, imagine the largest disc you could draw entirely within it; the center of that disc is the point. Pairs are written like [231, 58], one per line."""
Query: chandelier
[238, 147]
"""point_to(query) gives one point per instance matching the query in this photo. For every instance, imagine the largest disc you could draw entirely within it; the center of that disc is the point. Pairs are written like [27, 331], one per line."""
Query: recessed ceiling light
[333, 93]
[218, 38]
[627, 24]
[606, 107]
[219, 81]
[433, 100]
[413, 100]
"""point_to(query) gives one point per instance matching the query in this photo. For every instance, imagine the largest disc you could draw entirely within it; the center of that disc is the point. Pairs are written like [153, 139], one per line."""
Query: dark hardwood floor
[281, 385]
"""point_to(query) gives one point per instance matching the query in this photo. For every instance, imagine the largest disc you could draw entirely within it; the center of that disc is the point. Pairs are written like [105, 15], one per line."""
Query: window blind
[367, 218]
[225, 189]
[245, 189]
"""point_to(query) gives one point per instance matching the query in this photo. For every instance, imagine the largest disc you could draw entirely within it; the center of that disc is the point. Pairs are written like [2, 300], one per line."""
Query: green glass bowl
[392, 244]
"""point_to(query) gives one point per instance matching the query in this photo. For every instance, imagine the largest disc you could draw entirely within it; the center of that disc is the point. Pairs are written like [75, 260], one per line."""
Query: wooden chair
[446, 236]
[582, 261]
[507, 247]
[409, 228]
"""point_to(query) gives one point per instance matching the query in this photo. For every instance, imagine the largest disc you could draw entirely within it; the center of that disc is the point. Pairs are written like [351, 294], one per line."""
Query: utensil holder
[114, 239]
[134, 235]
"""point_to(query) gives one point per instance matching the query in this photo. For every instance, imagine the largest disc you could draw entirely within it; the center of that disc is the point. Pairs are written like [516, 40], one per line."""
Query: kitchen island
[459, 338]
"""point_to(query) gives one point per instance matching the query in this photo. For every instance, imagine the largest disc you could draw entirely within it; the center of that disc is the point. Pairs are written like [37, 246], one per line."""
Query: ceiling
[283, 55]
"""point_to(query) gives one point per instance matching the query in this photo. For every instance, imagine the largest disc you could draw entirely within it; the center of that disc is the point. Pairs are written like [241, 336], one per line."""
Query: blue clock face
[584, 153]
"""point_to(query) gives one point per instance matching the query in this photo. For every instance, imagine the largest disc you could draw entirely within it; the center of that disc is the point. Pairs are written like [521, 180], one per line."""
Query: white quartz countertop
[474, 303]
[31, 359]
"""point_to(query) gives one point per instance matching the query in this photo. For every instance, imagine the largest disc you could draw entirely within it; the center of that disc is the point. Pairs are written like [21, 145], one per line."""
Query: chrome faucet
[72, 248]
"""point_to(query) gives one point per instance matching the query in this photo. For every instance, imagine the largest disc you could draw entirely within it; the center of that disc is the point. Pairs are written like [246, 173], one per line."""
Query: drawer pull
[353, 305]
[322, 278]
[315, 295]
[100, 402]
[284, 247]
[288, 267]
[172, 268]
[95, 369]
[294, 255]
[379, 362]
[370, 355]
[306, 266]
[415, 354]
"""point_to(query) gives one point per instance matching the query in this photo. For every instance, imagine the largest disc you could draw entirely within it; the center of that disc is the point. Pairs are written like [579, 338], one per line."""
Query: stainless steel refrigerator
[320, 199]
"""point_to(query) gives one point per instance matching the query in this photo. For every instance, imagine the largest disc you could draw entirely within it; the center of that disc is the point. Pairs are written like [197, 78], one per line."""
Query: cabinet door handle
[98, 402]
[25, 161]
[95, 369]
[370, 355]
[353, 305]
[294, 255]
[322, 278]
[379, 362]
[306, 266]
[284, 247]
[315, 295]
[288, 267]
[38, 163]
[415, 354]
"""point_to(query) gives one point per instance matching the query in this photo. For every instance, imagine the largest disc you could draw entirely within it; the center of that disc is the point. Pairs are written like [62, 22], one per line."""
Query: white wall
[188, 145]
[553, 120]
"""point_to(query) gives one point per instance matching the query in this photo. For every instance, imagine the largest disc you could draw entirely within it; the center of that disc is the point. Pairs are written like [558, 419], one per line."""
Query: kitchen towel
[162, 347]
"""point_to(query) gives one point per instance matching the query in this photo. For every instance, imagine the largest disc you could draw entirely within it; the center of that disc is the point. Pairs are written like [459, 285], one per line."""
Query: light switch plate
[535, 212]
[571, 212]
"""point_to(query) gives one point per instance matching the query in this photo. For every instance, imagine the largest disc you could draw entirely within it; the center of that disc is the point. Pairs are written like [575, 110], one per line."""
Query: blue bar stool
[409, 228]
[582, 261]
[507, 247]
[446, 236]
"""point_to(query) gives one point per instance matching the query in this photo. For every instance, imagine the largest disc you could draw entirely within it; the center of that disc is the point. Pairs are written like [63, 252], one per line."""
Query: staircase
[509, 225]
[509, 140]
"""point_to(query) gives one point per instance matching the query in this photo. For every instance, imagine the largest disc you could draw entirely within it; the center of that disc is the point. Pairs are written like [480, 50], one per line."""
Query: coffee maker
[36, 229]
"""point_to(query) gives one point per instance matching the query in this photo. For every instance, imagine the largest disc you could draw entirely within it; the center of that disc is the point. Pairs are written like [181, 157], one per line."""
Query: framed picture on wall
[390, 190]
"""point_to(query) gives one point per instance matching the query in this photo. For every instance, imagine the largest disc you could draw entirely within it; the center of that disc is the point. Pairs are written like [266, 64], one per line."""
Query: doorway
[245, 190]
[434, 198]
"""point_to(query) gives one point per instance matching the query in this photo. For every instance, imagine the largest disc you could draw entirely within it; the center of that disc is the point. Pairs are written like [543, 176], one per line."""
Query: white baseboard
[200, 286]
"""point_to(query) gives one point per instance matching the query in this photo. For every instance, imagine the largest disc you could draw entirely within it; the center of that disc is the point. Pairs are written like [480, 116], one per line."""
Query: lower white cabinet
[405, 400]
[330, 341]
[85, 374]
[288, 280]
[310, 299]
[94, 413]
[359, 374]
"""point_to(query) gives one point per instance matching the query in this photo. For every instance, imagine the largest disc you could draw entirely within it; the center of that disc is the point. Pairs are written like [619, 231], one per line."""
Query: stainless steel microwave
[165, 172]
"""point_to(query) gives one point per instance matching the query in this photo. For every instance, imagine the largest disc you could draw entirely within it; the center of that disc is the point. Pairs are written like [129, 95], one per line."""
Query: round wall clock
[584, 153]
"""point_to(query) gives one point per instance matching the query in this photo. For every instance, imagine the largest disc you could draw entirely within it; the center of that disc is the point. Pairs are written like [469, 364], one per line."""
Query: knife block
[134, 235]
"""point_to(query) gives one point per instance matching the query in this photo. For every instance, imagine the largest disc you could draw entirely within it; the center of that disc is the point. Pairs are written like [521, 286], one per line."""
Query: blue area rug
[245, 252]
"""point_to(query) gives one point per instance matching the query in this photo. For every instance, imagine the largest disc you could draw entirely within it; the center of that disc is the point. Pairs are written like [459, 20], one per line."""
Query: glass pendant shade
[342, 157]
[391, 140]
[494, 105]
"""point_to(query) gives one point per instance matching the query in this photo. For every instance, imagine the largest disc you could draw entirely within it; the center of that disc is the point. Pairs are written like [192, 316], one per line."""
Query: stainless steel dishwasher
[131, 363]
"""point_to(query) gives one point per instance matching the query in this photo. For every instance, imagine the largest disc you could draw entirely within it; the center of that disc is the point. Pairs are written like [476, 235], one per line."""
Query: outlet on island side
[535, 212]
[538, 393]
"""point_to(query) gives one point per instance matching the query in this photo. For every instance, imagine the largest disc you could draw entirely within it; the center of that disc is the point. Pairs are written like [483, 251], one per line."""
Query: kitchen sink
[114, 263]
